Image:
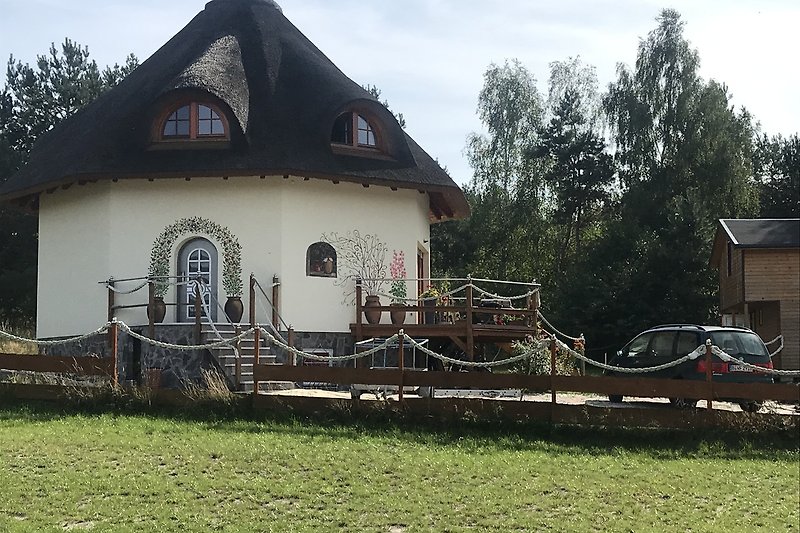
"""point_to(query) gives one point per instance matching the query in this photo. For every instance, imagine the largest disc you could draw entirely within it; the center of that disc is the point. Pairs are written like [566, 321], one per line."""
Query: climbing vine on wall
[161, 253]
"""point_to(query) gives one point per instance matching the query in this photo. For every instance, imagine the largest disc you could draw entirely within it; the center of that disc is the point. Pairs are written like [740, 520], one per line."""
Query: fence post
[553, 348]
[198, 314]
[276, 300]
[359, 336]
[252, 301]
[401, 363]
[110, 299]
[151, 322]
[113, 332]
[291, 358]
[238, 349]
[709, 375]
[256, 350]
[470, 335]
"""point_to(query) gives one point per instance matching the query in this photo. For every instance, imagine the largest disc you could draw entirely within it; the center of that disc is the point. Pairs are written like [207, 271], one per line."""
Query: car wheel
[750, 407]
[615, 398]
[683, 403]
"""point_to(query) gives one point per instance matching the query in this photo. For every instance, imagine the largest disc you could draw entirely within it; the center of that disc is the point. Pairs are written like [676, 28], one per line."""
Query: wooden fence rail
[87, 366]
[640, 387]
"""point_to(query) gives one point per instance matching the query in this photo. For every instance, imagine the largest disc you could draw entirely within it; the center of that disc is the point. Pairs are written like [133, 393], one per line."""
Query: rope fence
[527, 353]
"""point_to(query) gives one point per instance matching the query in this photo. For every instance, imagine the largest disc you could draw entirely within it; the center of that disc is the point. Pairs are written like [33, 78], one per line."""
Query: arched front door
[197, 259]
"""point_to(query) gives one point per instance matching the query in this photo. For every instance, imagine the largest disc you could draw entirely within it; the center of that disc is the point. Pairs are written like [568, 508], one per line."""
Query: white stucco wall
[96, 231]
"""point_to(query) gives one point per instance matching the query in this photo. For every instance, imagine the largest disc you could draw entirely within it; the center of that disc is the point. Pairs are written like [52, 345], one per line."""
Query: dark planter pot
[398, 316]
[158, 311]
[373, 315]
[429, 316]
[234, 309]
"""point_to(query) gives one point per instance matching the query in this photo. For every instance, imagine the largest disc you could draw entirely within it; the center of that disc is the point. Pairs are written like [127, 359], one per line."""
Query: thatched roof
[281, 96]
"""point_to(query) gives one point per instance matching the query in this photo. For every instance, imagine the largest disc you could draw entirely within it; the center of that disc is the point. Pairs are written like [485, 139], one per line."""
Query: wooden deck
[465, 325]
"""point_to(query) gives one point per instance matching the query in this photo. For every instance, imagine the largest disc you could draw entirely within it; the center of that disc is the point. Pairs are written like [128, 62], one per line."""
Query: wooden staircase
[226, 357]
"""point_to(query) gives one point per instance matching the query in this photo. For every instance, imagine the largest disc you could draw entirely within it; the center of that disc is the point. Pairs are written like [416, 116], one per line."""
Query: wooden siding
[790, 329]
[731, 287]
[772, 274]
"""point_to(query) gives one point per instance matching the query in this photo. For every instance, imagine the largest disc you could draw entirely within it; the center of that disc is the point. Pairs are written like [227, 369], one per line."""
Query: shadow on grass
[754, 438]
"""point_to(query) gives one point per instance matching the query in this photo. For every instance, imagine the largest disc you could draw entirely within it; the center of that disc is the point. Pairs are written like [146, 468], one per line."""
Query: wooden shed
[759, 280]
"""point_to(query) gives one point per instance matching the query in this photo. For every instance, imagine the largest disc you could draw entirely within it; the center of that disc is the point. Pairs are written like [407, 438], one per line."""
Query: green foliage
[34, 99]
[578, 176]
[778, 168]
[505, 233]
[161, 253]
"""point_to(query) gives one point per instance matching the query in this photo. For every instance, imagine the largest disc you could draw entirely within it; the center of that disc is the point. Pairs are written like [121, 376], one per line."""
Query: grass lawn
[110, 471]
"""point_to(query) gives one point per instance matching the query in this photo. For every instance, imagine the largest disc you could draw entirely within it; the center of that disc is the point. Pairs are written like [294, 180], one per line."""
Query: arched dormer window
[321, 260]
[354, 129]
[194, 120]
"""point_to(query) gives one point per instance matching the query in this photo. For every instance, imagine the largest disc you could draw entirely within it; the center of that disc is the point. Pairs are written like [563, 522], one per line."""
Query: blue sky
[428, 56]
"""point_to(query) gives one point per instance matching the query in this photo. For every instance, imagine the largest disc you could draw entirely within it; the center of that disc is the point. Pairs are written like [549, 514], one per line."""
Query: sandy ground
[566, 398]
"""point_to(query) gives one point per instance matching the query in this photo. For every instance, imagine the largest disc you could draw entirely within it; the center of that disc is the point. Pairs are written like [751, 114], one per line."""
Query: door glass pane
[662, 344]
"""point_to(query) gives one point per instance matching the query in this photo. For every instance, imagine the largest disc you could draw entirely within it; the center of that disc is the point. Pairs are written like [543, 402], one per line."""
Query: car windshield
[739, 343]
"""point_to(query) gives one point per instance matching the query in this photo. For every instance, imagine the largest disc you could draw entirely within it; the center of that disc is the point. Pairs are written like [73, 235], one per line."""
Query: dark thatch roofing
[279, 93]
[763, 233]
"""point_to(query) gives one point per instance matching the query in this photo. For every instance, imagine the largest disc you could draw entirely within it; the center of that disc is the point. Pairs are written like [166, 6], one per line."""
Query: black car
[662, 344]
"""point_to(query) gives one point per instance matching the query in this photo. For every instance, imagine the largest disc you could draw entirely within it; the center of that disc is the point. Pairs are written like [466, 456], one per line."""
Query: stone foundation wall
[175, 368]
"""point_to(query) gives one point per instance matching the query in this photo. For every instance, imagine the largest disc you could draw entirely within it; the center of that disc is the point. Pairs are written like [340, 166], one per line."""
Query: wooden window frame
[378, 150]
[194, 124]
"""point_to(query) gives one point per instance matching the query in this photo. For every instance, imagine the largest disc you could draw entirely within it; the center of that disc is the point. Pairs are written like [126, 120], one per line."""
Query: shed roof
[780, 233]
[762, 232]
[280, 93]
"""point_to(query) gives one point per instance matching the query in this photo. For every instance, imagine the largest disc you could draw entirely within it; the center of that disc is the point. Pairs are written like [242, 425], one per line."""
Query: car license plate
[739, 368]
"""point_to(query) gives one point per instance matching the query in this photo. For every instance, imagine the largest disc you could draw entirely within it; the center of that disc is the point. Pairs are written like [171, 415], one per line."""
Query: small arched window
[195, 121]
[353, 129]
[321, 260]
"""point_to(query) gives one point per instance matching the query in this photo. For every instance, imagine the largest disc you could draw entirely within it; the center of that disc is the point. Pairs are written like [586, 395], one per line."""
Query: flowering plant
[398, 270]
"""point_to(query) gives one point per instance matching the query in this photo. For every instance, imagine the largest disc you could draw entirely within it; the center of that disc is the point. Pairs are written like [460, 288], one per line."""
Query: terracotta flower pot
[158, 311]
[398, 316]
[373, 315]
[234, 309]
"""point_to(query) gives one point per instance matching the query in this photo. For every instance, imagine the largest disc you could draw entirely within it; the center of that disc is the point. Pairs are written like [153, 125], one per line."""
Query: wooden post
[238, 348]
[110, 299]
[276, 299]
[290, 357]
[151, 323]
[113, 332]
[359, 335]
[401, 363]
[536, 302]
[553, 349]
[709, 375]
[252, 301]
[256, 350]
[110, 307]
[470, 334]
[198, 314]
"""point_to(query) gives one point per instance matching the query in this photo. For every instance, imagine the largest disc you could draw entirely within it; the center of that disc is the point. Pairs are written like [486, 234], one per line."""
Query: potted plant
[158, 276]
[430, 297]
[397, 289]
